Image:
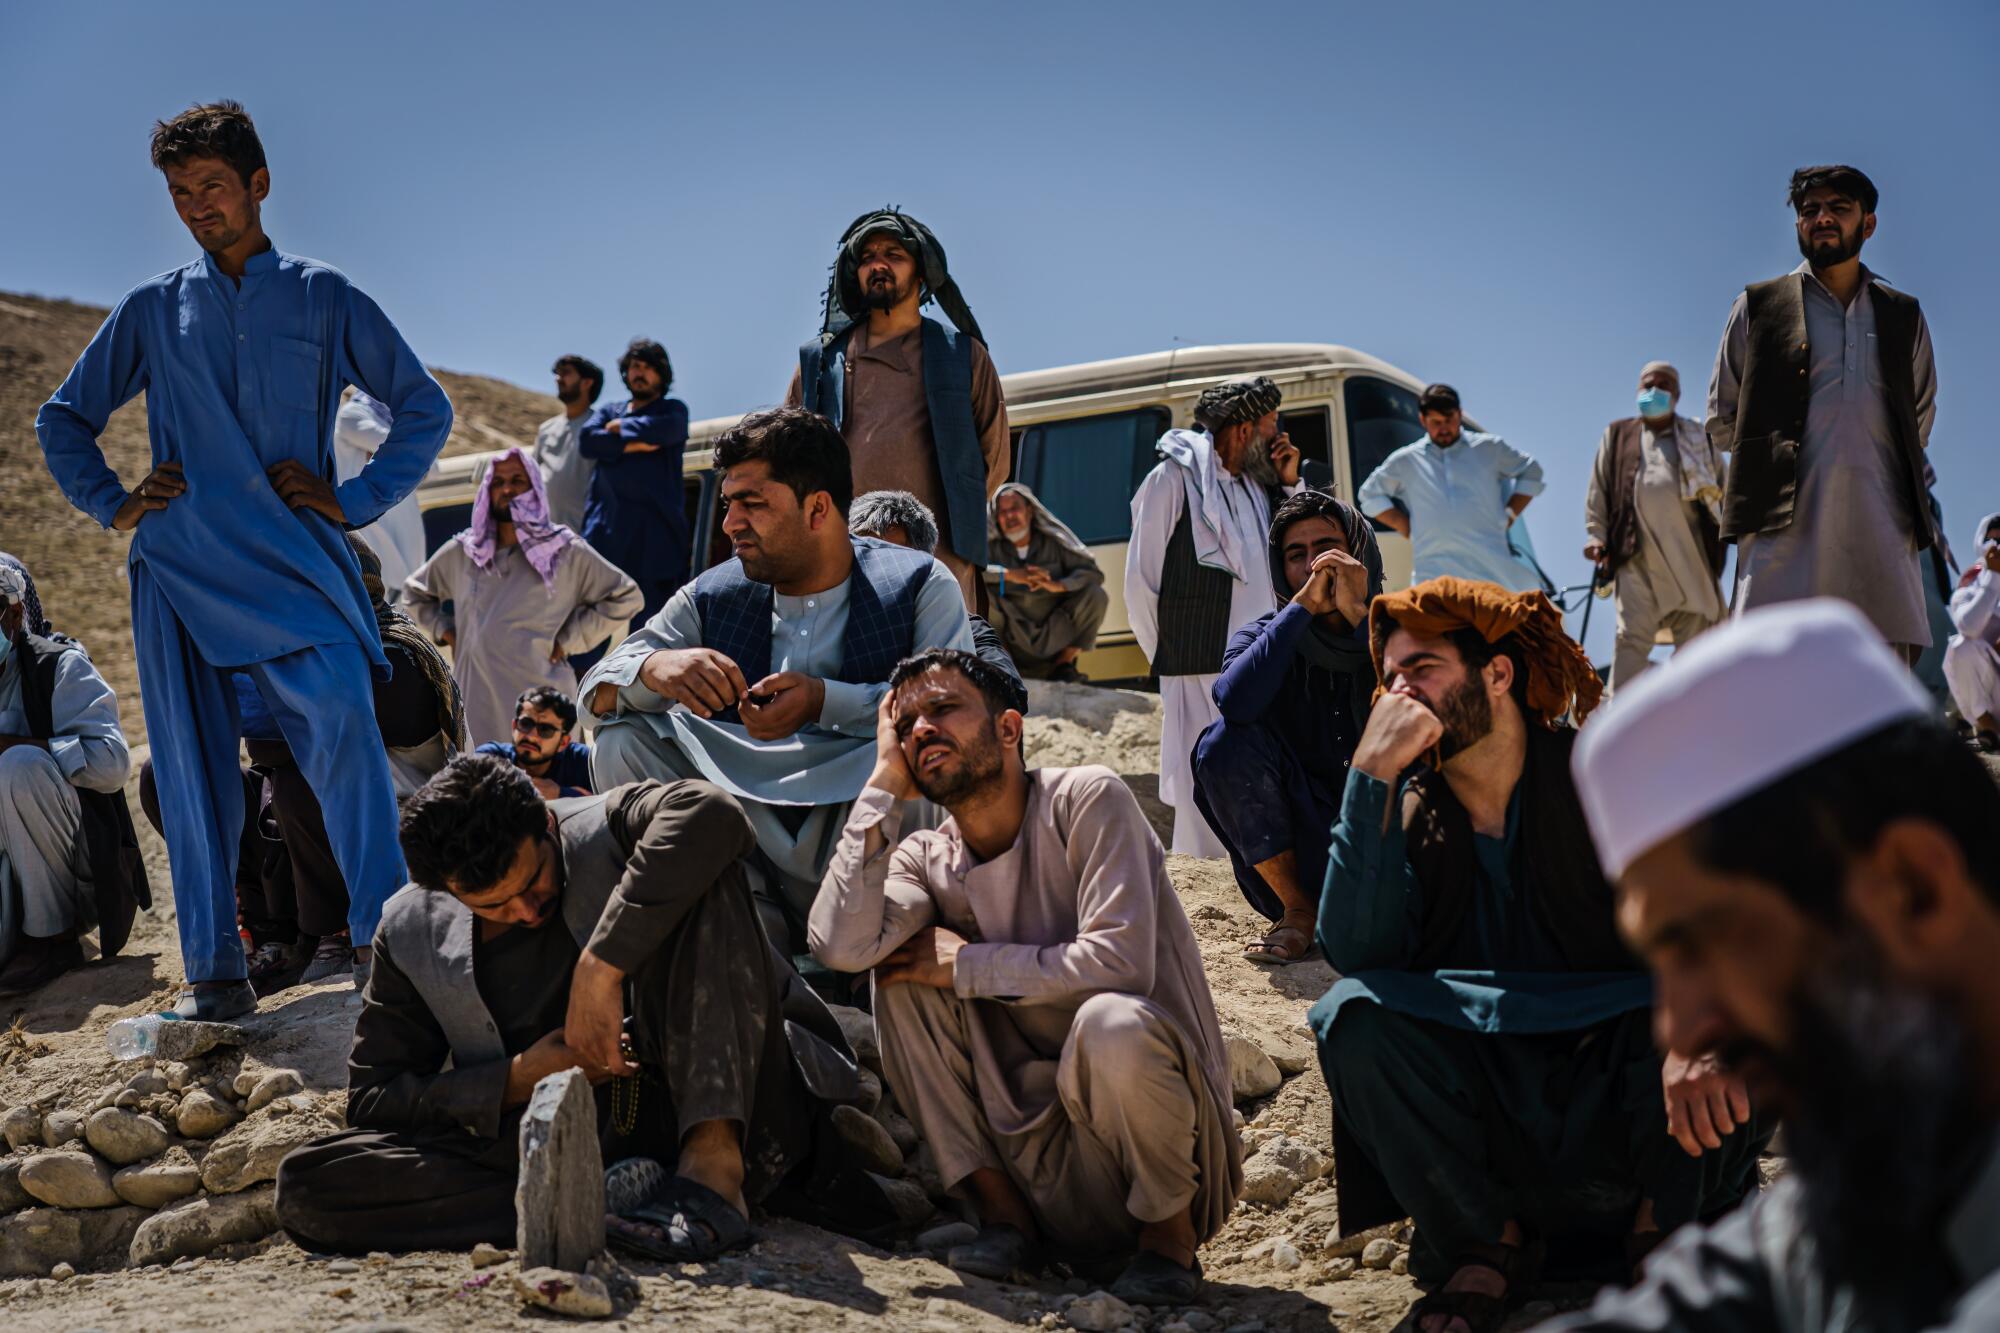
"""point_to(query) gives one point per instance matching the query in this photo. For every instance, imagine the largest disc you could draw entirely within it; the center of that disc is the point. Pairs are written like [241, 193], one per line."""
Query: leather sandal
[1518, 1267]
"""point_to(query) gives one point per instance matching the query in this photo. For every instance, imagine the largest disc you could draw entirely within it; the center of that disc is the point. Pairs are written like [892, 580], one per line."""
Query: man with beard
[763, 674]
[524, 594]
[612, 934]
[1814, 878]
[1039, 998]
[1488, 1044]
[1972, 657]
[558, 441]
[1043, 584]
[239, 559]
[1824, 390]
[1195, 569]
[1294, 694]
[542, 748]
[636, 516]
[919, 403]
[1454, 494]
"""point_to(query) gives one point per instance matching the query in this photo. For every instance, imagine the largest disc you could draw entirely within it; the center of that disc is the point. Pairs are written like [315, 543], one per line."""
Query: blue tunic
[636, 516]
[237, 380]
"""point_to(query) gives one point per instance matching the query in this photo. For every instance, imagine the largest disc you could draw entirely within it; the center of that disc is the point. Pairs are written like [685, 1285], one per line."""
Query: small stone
[69, 1179]
[106, 1096]
[177, 1075]
[60, 1127]
[343, 1267]
[245, 1082]
[1236, 1119]
[871, 1088]
[559, 1192]
[184, 1266]
[170, 1177]
[63, 1272]
[1338, 1270]
[194, 1227]
[1280, 1168]
[1251, 1072]
[912, 1205]
[1285, 1256]
[859, 1029]
[203, 1115]
[901, 1131]
[300, 1103]
[575, 1294]
[1379, 1253]
[868, 1140]
[939, 1239]
[147, 1083]
[278, 1083]
[128, 1100]
[124, 1137]
[485, 1256]
[1400, 1265]
[21, 1125]
[1098, 1312]
[12, 1196]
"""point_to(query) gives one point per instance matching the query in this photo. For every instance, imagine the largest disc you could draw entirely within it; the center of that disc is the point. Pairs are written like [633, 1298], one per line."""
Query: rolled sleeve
[1519, 468]
[88, 744]
[1378, 493]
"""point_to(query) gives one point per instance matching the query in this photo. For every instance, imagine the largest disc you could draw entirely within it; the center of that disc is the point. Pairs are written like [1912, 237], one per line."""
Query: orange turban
[1560, 677]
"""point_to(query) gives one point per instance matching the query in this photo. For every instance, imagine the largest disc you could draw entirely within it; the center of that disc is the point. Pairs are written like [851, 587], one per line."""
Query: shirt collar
[1869, 277]
[1972, 1232]
[264, 261]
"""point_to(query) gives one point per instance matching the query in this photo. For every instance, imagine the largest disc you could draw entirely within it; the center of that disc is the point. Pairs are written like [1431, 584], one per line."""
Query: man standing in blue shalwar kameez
[239, 561]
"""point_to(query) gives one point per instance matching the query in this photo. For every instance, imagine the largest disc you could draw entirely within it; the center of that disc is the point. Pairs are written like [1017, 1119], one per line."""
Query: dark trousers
[1260, 800]
[265, 900]
[1564, 1133]
[709, 1032]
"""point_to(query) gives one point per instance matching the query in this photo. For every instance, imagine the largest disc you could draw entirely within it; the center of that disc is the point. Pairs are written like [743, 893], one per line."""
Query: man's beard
[216, 242]
[501, 511]
[569, 394]
[883, 295]
[1848, 246]
[1467, 715]
[978, 768]
[1255, 463]
[1882, 1109]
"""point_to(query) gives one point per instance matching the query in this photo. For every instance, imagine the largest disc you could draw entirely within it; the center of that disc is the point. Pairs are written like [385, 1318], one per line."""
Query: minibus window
[1312, 436]
[1381, 418]
[1085, 470]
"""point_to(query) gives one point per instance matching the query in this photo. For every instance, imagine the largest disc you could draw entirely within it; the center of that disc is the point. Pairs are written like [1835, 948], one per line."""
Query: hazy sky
[1527, 200]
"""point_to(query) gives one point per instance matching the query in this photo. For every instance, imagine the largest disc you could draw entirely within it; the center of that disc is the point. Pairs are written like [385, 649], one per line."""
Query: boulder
[576, 1294]
[1099, 1312]
[939, 1239]
[1378, 1253]
[1279, 1169]
[12, 1196]
[278, 1083]
[21, 1125]
[194, 1227]
[485, 1256]
[249, 1154]
[901, 1131]
[183, 1040]
[912, 1205]
[170, 1177]
[1251, 1072]
[123, 1137]
[868, 1140]
[203, 1115]
[69, 1179]
[859, 1029]
[559, 1192]
[60, 1127]
[34, 1240]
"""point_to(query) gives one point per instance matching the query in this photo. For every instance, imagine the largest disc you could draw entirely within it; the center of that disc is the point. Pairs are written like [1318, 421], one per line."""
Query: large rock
[859, 1029]
[1279, 1170]
[12, 1196]
[869, 1140]
[249, 1154]
[35, 1240]
[184, 1039]
[170, 1177]
[559, 1192]
[907, 1197]
[193, 1227]
[278, 1083]
[123, 1137]
[71, 1179]
[21, 1125]
[1251, 1072]
[60, 1127]
[203, 1115]
[1290, 1050]
[576, 1294]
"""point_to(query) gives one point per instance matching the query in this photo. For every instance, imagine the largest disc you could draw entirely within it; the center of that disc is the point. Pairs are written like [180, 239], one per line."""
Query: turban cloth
[845, 302]
[1560, 677]
[1238, 400]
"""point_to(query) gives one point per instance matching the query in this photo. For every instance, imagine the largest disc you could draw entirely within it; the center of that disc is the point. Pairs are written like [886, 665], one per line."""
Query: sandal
[333, 955]
[632, 1183]
[1517, 1266]
[1284, 944]
[689, 1223]
[1154, 1279]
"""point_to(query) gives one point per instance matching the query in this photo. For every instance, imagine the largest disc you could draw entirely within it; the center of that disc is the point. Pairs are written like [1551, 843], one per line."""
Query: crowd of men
[1589, 954]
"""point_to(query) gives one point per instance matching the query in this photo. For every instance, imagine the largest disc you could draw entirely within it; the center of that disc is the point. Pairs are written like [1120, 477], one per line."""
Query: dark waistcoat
[1621, 541]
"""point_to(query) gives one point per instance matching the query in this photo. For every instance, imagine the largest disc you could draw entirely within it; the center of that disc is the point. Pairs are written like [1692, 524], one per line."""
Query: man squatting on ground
[763, 674]
[1972, 657]
[1039, 999]
[239, 557]
[1813, 875]
[1294, 694]
[1043, 585]
[64, 823]
[530, 933]
[1489, 1045]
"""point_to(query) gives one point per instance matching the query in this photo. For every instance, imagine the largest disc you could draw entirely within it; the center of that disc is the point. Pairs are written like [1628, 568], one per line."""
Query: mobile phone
[761, 700]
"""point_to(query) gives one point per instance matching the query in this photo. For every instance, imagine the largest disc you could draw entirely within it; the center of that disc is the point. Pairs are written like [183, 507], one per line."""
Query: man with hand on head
[1039, 994]
[763, 674]
[1813, 876]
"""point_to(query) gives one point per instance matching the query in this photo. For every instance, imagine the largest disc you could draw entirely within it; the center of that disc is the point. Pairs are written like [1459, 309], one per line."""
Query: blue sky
[1528, 200]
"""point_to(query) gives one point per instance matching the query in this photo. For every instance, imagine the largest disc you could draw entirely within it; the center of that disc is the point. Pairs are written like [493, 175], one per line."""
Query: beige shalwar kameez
[1078, 1050]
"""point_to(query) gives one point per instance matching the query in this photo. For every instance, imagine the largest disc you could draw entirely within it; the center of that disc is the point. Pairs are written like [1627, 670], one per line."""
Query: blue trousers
[1260, 800]
[322, 699]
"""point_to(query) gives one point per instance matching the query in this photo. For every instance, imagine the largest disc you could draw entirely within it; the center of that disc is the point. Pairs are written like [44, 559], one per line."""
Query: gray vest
[429, 931]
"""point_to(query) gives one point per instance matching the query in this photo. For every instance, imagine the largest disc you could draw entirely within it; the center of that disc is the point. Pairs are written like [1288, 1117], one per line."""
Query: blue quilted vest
[947, 395]
[881, 614]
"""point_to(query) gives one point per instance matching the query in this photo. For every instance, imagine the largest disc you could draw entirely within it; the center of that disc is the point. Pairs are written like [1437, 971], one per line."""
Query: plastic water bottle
[131, 1038]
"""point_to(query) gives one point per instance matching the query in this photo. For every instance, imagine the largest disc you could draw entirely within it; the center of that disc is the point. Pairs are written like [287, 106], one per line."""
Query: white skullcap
[1735, 710]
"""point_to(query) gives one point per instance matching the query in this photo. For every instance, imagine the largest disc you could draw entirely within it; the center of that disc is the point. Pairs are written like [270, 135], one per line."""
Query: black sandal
[688, 1223]
[1517, 1266]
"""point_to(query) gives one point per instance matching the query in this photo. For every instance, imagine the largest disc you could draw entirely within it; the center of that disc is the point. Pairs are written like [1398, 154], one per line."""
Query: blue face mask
[1655, 403]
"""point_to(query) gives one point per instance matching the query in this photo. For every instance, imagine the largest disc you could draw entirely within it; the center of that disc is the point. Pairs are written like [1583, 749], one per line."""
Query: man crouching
[529, 934]
[1039, 997]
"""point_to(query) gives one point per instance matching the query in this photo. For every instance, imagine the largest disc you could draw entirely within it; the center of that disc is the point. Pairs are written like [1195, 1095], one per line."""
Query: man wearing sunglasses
[542, 748]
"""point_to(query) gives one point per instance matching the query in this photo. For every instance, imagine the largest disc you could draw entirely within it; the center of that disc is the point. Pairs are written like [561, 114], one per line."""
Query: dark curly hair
[463, 828]
[213, 129]
[1000, 690]
[1841, 179]
[805, 451]
[654, 355]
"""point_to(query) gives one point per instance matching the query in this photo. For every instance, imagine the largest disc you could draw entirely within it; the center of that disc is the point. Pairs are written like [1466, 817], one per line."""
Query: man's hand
[162, 484]
[1035, 578]
[641, 447]
[927, 958]
[1703, 1102]
[1594, 553]
[892, 771]
[555, 653]
[595, 1025]
[789, 701]
[550, 1055]
[703, 679]
[449, 638]
[1350, 584]
[1285, 458]
[1515, 504]
[1992, 557]
[1394, 519]
[1399, 731]
[549, 791]
[302, 488]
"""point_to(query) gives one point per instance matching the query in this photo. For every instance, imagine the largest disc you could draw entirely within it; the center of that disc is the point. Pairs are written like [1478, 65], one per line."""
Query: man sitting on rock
[1489, 1044]
[1046, 588]
[1040, 1001]
[613, 934]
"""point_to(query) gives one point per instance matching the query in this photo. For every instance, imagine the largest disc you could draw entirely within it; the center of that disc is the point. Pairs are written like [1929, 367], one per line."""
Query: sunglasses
[546, 730]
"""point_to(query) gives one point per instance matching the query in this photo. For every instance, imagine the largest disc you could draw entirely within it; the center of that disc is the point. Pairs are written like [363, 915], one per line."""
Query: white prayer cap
[1731, 713]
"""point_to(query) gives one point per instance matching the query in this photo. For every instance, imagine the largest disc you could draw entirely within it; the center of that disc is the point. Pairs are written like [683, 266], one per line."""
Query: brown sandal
[1277, 947]
[1518, 1267]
